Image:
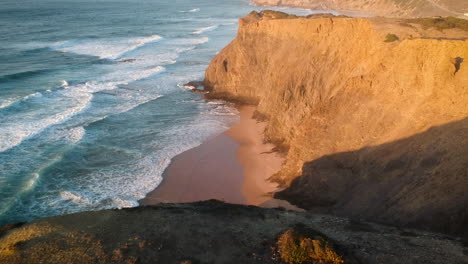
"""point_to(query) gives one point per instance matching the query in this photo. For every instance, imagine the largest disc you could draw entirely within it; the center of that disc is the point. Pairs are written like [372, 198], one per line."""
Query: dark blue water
[92, 106]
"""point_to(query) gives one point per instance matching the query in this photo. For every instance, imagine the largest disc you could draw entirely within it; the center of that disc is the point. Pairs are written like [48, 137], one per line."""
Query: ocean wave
[191, 10]
[11, 101]
[22, 75]
[189, 41]
[105, 49]
[205, 29]
[62, 104]
[4, 103]
[29, 184]
[20, 126]
[125, 76]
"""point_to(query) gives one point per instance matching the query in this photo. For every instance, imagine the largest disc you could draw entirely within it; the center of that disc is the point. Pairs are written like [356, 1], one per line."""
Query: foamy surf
[63, 104]
[22, 125]
[109, 49]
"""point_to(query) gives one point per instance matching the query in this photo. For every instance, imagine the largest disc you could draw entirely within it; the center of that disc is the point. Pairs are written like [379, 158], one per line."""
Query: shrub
[295, 247]
[391, 38]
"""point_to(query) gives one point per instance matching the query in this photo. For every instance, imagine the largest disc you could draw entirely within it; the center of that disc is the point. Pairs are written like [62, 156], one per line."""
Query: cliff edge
[373, 112]
[389, 8]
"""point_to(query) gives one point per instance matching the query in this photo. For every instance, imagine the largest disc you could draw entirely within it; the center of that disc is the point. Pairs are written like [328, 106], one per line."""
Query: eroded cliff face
[375, 129]
[392, 8]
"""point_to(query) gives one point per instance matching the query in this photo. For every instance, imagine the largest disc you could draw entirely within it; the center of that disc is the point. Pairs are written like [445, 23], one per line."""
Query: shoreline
[233, 167]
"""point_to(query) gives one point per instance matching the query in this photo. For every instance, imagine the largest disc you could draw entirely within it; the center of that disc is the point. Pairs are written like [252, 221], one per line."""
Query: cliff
[373, 112]
[391, 8]
[214, 232]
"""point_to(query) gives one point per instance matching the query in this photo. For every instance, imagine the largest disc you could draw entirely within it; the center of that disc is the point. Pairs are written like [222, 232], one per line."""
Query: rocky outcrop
[392, 8]
[212, 232]
[375, 125]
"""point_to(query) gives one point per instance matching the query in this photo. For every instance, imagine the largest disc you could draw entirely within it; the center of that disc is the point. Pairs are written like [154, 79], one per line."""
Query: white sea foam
[75, 198]
[105, 49]
[75, 134]
[205, 29]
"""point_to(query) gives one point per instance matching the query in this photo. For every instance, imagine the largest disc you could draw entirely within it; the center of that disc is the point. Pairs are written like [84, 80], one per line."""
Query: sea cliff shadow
[420, 181]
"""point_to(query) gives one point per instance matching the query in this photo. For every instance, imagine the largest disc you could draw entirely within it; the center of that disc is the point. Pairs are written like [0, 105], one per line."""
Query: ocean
[92, 103]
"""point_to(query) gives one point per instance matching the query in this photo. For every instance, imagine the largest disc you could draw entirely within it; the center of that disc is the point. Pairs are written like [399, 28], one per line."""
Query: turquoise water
[92, 107]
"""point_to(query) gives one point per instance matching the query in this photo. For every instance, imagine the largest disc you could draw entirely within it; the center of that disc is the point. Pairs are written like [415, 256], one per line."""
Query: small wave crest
[7, 102]
[10, 101]
[189, 41]
[205, 29]
[194, 10]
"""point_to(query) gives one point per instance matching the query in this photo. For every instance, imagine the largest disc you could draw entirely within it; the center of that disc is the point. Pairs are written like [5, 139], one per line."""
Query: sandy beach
[232, 167]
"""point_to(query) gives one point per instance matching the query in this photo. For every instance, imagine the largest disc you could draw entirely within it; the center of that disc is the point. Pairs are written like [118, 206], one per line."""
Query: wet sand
[232, 167]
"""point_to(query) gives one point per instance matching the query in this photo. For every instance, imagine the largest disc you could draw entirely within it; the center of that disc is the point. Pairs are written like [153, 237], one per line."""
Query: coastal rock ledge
[373, 113]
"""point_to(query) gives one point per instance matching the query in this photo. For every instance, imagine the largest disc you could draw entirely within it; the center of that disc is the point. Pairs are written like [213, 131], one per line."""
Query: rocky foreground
[215, 232]
[372, 113]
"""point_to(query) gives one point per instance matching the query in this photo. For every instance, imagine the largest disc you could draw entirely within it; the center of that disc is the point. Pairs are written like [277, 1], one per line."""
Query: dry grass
[294, 247]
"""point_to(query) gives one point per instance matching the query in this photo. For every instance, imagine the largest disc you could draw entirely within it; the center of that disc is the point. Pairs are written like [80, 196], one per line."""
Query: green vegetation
[441, 23]
[391, 38]
[276, 15]
[296, 247]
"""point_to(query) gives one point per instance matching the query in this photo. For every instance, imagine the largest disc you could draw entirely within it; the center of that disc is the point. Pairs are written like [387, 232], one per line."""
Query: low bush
[295, 247]
[391, 38]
